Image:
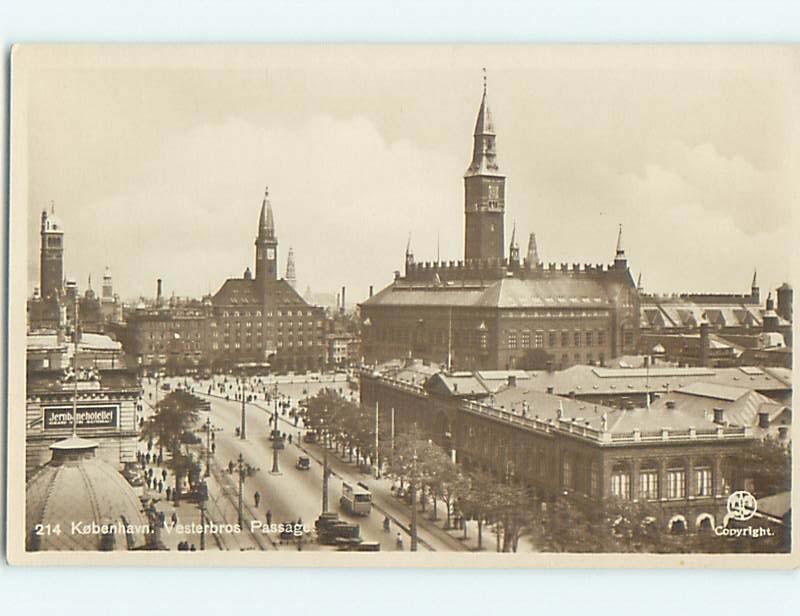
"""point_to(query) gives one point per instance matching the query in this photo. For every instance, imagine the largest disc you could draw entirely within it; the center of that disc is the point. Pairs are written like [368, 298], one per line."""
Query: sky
[156, 160]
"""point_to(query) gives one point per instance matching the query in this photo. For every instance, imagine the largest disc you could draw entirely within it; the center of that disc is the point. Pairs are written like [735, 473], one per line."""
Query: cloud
[343, 198]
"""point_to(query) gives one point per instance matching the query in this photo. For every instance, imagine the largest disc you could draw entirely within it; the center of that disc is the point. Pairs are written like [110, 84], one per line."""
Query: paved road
[293, 494]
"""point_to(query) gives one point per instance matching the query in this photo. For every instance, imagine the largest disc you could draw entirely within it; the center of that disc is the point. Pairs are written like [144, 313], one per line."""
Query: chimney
[344, 303]
[763, 419]
[158, 292]
[719, 416]
[550, 389]
[704, 344]
[370, 290]
[512, 380]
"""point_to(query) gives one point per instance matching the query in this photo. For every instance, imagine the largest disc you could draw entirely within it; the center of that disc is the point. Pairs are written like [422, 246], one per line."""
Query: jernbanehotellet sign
[93, 416]
[455, 306]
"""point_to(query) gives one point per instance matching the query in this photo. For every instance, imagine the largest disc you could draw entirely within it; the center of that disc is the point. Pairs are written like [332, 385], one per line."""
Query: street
[291, 495]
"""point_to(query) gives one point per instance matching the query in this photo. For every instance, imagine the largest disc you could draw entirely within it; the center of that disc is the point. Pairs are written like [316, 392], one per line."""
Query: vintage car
[303, 463]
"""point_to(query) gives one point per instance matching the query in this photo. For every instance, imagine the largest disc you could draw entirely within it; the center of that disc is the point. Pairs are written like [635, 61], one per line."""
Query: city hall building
[490, 311]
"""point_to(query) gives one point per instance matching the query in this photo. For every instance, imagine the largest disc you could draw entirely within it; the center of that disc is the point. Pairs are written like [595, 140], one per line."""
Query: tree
[175, 415]
[768, 464]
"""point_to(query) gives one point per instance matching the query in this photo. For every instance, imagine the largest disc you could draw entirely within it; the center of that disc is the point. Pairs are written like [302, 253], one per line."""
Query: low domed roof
[78, 487]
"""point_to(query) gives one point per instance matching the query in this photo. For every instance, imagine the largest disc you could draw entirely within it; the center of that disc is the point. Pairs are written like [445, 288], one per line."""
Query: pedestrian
[164, 474]
[213, 447]
[160, 459]
[169, 492]
[174, 518]
[160, 486]
[230, 467]
[147, 457]
[269, 518]
[193, 549]
[257, 498]
[290, 439]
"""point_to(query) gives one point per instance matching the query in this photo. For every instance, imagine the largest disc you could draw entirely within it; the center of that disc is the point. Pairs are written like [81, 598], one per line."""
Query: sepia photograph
[402, 306]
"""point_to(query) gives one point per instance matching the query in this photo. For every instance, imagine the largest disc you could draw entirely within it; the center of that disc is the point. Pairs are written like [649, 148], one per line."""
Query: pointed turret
[484, 156]
[513, 247]
[266, 244]
[755, 292]
[266, 221]
[533, 253]
[409, 255]
[620, 261]
[291, 277]
[639, 286]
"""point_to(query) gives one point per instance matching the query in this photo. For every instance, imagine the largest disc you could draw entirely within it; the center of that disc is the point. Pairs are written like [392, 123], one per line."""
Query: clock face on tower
[270, 253]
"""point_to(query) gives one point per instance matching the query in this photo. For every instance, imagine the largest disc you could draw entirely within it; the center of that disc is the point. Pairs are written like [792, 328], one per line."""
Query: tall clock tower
[484, 192]
[266, 244]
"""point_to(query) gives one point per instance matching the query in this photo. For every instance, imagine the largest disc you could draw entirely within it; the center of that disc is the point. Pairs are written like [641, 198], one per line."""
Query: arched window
[677, 525]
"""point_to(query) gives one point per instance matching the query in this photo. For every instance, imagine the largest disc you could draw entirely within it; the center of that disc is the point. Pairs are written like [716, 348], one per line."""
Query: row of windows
[675, 480]
[257, 313]
[525, 338]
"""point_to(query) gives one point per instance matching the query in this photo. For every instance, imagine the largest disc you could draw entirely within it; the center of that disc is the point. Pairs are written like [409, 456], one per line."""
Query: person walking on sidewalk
[174, 518]
[164, 474]
[269, 518]
[257, 498]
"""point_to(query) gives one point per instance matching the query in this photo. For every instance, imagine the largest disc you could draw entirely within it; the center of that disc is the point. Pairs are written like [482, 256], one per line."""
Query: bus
[356, 499]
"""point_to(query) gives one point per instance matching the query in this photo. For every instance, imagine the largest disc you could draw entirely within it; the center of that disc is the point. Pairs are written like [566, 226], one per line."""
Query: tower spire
[266, 243]
[620, 261]
[291, 277]
[513, 247]
[266, 221]
[484, 191]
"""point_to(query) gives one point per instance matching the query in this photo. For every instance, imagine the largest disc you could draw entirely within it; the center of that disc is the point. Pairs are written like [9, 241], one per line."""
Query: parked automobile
[303, 463]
